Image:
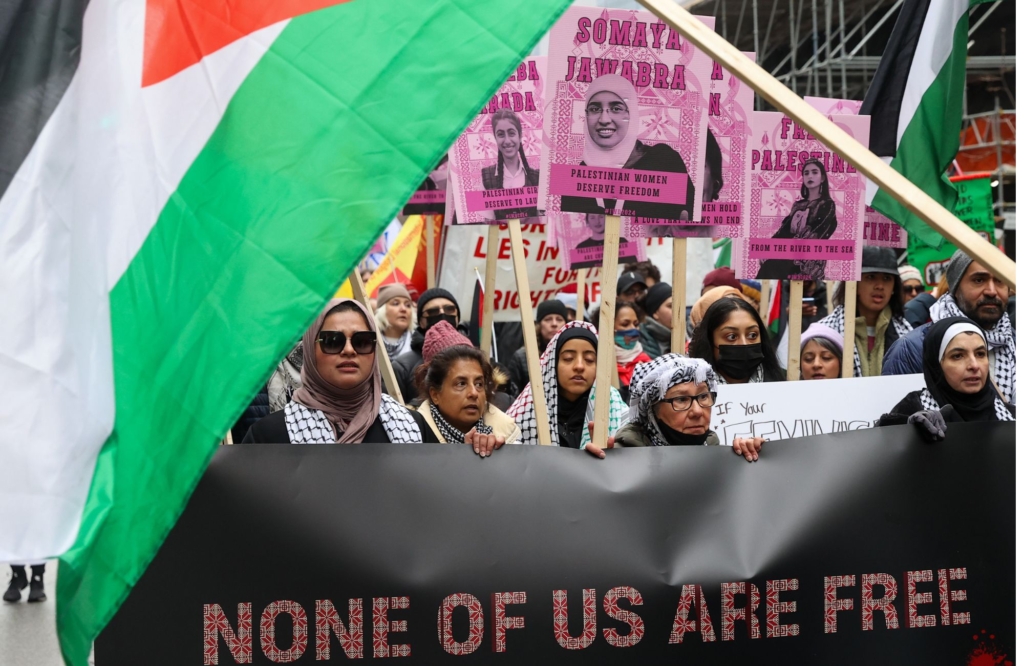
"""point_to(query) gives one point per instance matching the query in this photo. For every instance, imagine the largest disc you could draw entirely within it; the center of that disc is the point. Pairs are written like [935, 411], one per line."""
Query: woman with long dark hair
[879, 319]
[733, 340]
[813, 217]
[512, 169]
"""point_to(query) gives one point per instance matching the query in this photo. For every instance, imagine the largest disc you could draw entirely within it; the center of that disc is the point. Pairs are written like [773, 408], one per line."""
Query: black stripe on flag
[40, 45]
[885, 96]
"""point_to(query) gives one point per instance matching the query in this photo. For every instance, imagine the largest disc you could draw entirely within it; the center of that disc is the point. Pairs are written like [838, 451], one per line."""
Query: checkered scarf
[524, 414]
[836, 323]
[1001, 342]
[929, 402]
[651, 381]
[310, 426]
[450, 433]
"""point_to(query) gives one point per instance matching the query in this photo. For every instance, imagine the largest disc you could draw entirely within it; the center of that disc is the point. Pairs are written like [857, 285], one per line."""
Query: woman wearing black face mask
[732, 338]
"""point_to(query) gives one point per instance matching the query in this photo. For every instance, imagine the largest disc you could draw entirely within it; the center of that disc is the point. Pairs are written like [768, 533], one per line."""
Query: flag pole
[428, 219]
[678, 296]
[387, 373]
[606, 319]
[849, 322]
[540, 405]
[490, 275]
[796, 304]
[858, 155]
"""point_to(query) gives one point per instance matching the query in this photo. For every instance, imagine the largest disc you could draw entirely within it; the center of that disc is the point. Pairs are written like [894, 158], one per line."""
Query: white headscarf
[615, 157]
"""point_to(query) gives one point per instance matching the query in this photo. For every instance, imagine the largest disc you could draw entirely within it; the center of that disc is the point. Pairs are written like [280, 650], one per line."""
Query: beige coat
[503, 424]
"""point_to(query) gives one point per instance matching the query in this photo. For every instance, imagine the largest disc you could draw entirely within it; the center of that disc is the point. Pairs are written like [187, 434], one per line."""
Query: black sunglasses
[911, 289]
[333, 342]
[447, 309]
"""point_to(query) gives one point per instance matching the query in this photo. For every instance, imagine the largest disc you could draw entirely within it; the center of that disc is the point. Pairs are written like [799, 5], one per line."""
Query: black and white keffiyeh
[836, 322]
[929, 402]
[310, 426]
[450, 433]
[522, 410]
[1002, 346]
[652, 380]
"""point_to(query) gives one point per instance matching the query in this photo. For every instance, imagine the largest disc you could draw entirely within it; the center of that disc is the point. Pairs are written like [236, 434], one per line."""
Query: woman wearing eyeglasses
[340, 399]
[457, 384]
[613, 124]
[670, 401]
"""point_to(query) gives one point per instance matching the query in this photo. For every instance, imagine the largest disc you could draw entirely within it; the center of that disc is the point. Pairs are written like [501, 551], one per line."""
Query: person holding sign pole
[958, 383]
[879, 322]
[732, 339]
[340, 399]
[457, 385]
[611, 141]
[670, 401]
[568, 374]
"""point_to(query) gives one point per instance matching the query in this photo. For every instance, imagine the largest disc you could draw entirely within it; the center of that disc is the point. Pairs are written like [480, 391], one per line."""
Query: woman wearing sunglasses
[670, 401]
[340, 399]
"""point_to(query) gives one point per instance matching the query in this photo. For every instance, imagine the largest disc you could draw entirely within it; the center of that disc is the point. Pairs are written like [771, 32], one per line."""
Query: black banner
[866, 547]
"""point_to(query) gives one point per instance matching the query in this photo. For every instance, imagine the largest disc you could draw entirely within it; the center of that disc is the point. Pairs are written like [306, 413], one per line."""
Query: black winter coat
[257, 409]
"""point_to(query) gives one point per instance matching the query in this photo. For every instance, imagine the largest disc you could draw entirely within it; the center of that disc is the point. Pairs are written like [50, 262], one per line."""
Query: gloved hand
[931, 424]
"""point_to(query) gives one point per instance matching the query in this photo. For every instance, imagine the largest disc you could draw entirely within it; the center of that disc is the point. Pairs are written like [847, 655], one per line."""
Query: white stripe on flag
[76, 213]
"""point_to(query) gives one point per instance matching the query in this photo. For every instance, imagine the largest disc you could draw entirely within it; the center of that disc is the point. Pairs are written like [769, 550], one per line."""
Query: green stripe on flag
[323, 142]
[931, 141]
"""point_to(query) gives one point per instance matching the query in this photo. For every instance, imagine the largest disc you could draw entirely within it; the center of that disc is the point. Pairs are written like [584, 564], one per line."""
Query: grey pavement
[28, 632]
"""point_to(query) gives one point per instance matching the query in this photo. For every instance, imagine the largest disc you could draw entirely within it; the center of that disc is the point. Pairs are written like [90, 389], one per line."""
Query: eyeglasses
[333, 342]
[615, 108]
[447, 309]
[911, 289]
[682, 403]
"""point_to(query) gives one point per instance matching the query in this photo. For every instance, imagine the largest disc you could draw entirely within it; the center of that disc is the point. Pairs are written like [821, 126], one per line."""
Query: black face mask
[739, 361]
[438, 318]
[676, 438]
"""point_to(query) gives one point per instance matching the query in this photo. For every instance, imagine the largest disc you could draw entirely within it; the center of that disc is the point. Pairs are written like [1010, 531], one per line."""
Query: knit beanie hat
[554, 307]
[437, 292]
[391, 290]
[955, 270]
[441, 336]
[818, 330]
[722, 277]
[909, 272]
[656, 296]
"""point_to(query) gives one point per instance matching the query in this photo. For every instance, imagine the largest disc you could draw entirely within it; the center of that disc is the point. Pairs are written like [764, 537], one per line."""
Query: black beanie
[656, 296]
[552, 307]
[437, 292]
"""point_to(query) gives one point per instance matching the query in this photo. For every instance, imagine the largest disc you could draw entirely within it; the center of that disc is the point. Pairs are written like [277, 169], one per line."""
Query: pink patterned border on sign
[480, 181]
[794, 234]
[669, 78]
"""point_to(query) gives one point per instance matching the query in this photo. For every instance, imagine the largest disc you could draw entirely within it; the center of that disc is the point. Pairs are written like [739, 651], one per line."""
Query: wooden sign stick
[796, 320]
[606, 325]
[428, 219]
[849, 319]
[581, 292]
[678, 296]
[490, 275]
[856, 154]
[766, 300]
[387, 373]
[540, 405]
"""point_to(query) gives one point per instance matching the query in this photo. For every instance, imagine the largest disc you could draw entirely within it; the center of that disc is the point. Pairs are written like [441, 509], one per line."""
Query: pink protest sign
[625, 118]
[495, 161]
[430, 196]
[580, 239]
[878, 229]
[806, 204]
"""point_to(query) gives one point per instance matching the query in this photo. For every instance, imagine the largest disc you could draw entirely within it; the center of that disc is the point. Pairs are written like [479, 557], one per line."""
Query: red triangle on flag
[180, 33]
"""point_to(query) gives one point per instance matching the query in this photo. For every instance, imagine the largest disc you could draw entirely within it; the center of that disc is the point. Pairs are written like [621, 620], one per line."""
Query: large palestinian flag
[182, 185]
[916, 105]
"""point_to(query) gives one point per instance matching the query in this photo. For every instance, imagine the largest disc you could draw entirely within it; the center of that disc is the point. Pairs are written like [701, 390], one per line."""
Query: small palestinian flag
[183, 184]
